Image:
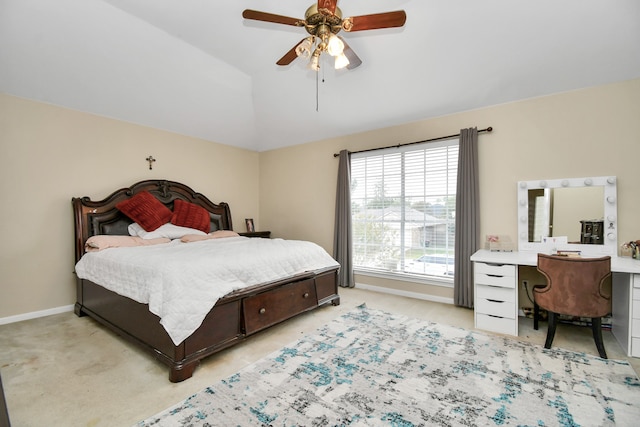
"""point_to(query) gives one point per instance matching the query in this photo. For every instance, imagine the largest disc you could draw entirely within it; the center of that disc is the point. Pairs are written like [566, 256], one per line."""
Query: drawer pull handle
[306, 295]
[494, 275]
[493, 315]
[495, 300]
[263, 310]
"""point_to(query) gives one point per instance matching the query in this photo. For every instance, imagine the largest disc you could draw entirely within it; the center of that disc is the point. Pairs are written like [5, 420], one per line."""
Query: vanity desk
[496, 295]
[550, 214]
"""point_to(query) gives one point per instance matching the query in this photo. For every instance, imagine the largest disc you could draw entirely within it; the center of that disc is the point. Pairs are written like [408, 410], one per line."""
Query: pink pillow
[146, 210]
[190, 215]
[100, 242]
[219, 234]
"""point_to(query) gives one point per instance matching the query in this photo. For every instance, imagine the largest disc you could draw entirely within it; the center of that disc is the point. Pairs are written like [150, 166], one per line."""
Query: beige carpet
[78, 374]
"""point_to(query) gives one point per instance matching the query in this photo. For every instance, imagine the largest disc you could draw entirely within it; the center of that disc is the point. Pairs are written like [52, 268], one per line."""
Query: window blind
[403, 209]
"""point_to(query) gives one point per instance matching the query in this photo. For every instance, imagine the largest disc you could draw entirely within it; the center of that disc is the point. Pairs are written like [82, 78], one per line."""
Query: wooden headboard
[102, 216]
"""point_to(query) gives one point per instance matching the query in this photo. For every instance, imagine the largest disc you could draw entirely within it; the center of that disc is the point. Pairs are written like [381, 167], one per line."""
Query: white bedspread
[181, 282]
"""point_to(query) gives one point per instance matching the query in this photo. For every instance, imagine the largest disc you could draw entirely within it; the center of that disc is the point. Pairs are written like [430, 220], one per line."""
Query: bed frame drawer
[268, 308]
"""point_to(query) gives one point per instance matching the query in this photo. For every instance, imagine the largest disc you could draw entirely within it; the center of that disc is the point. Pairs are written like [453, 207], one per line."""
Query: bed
[235, 316]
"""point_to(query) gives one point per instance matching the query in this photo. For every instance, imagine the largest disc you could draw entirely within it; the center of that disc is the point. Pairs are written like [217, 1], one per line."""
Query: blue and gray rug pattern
[371, 368]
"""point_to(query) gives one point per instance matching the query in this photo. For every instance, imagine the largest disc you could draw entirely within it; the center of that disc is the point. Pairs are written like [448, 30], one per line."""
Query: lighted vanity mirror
[571, 214]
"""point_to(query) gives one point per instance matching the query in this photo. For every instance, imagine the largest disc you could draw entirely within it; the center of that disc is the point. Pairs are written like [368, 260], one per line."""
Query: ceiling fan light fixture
[304, 49]
[341, 61]
[335, 46]
[314, 63]
[323, 21]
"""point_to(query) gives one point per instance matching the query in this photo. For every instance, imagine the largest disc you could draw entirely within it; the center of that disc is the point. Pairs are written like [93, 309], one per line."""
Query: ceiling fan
[323, 21]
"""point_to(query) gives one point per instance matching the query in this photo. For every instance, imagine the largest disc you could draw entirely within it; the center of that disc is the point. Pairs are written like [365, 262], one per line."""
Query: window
[403, 209]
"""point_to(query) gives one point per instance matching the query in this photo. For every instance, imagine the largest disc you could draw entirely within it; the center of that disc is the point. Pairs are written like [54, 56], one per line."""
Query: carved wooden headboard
[102, 216]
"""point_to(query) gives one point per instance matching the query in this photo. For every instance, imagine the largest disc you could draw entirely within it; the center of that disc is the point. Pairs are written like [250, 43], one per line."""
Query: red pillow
[146, 210]
[190, 215]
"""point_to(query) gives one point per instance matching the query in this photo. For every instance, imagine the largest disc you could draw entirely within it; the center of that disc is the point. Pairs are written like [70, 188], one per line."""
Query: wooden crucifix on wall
[150, 159]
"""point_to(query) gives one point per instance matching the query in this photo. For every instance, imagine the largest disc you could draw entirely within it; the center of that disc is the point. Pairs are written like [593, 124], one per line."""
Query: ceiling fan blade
[329, 5]
[354, 61]
[270, 17]
[289, 56]
[375, 21]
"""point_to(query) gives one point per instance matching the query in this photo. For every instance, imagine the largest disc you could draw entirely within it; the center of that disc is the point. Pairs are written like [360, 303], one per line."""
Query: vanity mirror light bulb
[611, 218]
[611, 180]
[523, 185]
[611, 199]
[611, 236]
[588, 181]
[565, 183]
[523, 236]
[543, 184]
[523, 219]
[523, 202]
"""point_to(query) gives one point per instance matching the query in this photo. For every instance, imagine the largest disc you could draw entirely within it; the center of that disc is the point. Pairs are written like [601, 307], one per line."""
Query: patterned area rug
[371, 368]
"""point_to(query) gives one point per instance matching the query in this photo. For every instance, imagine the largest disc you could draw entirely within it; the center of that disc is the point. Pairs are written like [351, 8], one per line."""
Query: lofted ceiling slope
[195, 67]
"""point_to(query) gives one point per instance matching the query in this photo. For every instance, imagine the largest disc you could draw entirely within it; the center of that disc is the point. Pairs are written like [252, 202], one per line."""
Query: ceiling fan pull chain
[317, 92]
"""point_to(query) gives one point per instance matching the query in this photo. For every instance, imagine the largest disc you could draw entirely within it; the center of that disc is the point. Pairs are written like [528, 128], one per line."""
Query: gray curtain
[467, 217]
[342, 239]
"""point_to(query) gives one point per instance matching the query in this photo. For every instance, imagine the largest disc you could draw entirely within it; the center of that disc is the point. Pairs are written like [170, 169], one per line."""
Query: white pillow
[167, 230]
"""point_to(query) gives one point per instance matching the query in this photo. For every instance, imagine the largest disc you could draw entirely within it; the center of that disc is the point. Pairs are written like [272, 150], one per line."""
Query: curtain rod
[489, 129]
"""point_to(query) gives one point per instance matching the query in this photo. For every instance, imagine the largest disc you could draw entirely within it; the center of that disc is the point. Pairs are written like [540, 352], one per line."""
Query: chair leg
[551, 329]
[596, 327]
[536, 315]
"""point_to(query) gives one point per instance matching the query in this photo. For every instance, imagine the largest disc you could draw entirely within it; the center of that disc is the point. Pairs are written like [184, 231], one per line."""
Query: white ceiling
[195, 67]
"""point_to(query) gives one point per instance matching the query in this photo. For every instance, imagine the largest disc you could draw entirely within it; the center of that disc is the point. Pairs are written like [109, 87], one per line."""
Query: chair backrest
[575, 286]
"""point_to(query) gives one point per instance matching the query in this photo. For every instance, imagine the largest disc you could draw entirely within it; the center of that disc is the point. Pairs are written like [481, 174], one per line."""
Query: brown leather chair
[575, 287]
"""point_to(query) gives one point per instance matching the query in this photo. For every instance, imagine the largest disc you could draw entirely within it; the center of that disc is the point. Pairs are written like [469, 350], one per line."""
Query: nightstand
[263, 234]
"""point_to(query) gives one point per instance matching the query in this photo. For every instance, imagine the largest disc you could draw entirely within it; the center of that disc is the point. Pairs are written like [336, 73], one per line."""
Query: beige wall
[588, 132]
[49, 155]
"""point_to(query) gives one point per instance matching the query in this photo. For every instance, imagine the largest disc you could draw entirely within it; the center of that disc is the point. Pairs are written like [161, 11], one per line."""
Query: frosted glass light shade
[335, 47]
[314, 64]
[341, 61]
[304, 49]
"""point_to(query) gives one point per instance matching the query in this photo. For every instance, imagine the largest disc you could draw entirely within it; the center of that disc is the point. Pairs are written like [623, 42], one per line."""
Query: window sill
[446, 282]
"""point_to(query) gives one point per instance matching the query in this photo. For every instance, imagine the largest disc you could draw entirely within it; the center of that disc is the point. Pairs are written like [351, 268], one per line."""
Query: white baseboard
[416, 295]
[35, 314]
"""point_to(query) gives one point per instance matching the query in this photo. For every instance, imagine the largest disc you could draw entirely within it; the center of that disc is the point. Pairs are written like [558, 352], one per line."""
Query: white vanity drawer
[508, 270]
[501, 325]
[496, 297]
[495, 308]
[635, 328]
[495, 293]
[501, 281]
[635, 309]
[635, 347]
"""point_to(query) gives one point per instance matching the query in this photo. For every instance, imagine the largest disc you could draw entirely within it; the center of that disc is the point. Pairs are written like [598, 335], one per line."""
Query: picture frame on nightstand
[249, 223]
